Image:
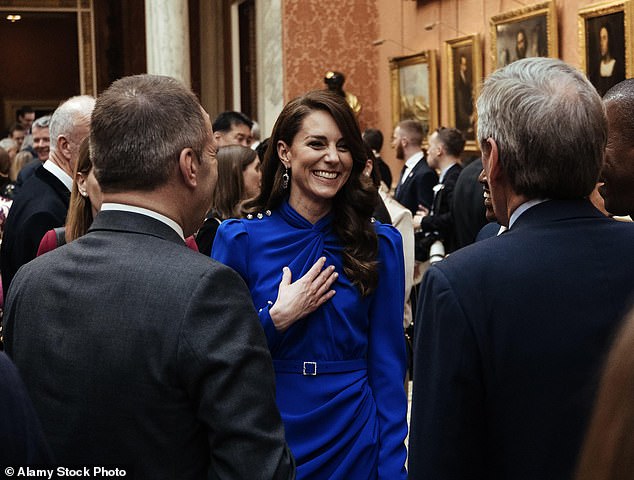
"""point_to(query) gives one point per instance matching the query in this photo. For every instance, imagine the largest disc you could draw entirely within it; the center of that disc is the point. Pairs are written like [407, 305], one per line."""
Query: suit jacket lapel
[55, 183]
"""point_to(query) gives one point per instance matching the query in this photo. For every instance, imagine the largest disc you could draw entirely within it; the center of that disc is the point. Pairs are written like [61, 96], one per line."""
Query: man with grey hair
[139, 353]
[511, 331]
[41, 202]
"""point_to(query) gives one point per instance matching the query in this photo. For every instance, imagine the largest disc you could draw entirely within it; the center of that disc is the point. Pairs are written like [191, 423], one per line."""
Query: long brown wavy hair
[352, 206]
[79, 217]
[230, 191]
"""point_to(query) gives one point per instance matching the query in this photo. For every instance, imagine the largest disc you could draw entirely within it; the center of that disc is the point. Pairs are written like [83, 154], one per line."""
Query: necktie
[400, 180]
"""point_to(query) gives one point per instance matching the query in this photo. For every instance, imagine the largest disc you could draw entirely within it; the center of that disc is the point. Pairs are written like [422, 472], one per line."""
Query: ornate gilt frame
[598, 10]
[451, 47]
[546, 9]
[85, 32]
[397, 64]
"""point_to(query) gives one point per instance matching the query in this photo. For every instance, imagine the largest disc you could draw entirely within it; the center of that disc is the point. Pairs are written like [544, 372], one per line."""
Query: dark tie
[400, 180]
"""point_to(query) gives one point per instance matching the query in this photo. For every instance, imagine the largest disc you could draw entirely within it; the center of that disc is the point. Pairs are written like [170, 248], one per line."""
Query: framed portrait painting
[604, 42]
[464, 74]
[415, 89]
[530, 31]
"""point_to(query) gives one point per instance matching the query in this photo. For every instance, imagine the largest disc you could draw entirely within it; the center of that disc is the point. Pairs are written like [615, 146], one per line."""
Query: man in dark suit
[415, 188]
[42, 202]
[138, 351]
[511, 331]
[618, 170]
[469, 214]
[443, 155]
[21, 436]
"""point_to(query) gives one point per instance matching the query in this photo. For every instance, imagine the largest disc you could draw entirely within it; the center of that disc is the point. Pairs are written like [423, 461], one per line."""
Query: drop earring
[285, 178]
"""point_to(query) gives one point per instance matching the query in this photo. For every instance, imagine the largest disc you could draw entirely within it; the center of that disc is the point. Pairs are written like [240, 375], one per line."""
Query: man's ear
[495, 168]
[188, 166]
[63, 146]
[282, 152]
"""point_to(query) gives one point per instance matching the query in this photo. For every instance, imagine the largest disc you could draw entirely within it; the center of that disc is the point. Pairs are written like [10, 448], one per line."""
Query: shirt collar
[523, 207]
[444, 172]
[413, 160]
[148, 213]
[60, 174]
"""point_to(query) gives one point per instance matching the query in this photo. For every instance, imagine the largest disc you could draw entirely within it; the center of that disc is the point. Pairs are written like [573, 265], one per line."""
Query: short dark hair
[452, 139]
[16, 126]
[139, 126]
[22, 110]
[226, 120]
[414, 129]
[621, 100]
[374, 138]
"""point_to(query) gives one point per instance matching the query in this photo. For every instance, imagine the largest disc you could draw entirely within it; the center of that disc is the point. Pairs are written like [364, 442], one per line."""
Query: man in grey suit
[139, 352]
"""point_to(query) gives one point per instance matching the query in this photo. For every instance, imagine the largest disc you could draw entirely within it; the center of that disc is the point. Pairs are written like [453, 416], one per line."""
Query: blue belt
[320, 367]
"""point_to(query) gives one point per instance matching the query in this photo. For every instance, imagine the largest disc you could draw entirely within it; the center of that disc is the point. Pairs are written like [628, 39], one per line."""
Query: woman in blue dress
[328, 283]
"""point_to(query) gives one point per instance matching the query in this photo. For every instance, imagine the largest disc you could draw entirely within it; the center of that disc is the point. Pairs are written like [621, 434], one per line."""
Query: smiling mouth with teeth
[329, 175]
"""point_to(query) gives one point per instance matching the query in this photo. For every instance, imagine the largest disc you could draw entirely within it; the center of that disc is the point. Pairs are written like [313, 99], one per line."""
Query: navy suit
[21, 434]
[510, 336]
[418, 187]
[39, 206]
[469, 214]
[440, 218]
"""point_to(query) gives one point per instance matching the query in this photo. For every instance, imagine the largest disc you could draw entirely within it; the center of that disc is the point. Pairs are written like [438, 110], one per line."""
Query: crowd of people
[183, 300]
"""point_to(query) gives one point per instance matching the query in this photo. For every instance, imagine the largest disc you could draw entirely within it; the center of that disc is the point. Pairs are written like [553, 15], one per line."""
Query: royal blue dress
[340, 370]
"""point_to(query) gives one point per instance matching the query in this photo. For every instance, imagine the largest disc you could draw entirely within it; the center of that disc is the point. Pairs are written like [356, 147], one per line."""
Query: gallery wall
[401, 26]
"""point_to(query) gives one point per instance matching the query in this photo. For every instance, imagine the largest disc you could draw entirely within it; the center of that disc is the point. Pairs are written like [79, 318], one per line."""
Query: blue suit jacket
[510, 336]
[418, 187]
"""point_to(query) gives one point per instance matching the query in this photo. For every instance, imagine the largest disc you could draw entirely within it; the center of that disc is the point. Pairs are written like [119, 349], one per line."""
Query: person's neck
[313, 211]
[59, 160]
[410, 152]
[447, 161]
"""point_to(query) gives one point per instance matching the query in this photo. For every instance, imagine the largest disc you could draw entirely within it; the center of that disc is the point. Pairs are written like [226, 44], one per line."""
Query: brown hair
[229, 192]
[608, 450]
[352, 205]
[139, 126]
[79, 216]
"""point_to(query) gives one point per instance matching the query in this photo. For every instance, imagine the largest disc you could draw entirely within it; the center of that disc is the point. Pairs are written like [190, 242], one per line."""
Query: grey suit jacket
[141, 353]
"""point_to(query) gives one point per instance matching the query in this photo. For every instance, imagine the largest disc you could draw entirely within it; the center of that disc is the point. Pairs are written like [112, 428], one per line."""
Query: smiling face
[320, 165]
[41, 143]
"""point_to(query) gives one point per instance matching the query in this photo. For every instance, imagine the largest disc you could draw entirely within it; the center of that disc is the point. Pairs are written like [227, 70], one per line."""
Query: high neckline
[297, 220]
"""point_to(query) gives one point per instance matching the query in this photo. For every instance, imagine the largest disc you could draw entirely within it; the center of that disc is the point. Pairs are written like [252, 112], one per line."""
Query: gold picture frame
[464, 74]
[415, 88]
[536, 24]
[606, 26]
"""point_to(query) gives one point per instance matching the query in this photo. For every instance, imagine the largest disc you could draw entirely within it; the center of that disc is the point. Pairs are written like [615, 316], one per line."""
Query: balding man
[511, 332]
[618, 170]
[42, 201]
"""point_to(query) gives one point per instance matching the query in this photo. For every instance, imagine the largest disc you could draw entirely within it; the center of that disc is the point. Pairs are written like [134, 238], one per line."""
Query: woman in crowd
[238, 179]
[608, 451]
[339, 358]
